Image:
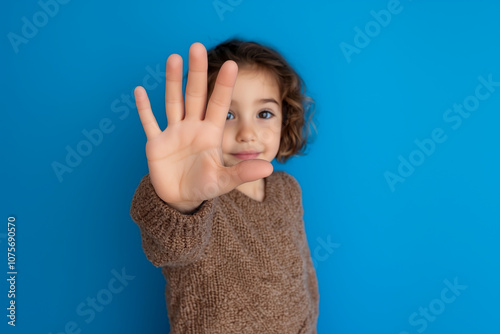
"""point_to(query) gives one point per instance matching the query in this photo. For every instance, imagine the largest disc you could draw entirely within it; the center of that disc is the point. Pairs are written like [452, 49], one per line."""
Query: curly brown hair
[297, 109]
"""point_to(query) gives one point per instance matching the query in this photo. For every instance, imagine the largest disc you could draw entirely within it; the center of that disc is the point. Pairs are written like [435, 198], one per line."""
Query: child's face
[253, 124]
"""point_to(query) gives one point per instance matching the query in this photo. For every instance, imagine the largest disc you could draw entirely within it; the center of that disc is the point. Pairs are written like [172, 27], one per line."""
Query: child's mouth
[246, 155]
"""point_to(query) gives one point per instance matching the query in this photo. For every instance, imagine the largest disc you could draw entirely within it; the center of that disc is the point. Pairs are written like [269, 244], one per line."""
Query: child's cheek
[270, 134]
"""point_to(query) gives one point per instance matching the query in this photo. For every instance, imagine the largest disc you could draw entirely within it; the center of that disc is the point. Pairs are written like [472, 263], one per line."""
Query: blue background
[381, 252]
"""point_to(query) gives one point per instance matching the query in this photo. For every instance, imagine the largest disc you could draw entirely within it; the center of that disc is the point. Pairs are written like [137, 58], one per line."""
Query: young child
[227, 232]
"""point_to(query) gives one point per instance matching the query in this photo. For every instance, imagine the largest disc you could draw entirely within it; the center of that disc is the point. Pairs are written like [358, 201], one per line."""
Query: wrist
[186, 207]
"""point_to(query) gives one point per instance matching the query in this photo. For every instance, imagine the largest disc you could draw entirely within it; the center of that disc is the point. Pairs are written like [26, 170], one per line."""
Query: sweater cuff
[169, 236]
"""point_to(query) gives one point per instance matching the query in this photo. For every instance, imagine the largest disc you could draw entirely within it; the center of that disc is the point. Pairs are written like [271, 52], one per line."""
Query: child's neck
[255, 189]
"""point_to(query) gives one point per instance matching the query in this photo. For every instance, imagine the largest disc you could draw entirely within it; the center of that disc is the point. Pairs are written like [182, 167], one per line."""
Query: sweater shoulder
[288, 181]
[289, 189]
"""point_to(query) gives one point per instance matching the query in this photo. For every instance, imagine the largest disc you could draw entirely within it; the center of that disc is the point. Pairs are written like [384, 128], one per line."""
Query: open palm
[185, 160]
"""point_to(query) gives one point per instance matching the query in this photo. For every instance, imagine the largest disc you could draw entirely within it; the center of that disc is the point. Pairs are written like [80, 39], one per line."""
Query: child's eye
[266, 114]
[229, 116]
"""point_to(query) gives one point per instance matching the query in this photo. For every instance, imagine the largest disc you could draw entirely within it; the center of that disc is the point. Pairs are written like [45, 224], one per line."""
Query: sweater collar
[270, 195]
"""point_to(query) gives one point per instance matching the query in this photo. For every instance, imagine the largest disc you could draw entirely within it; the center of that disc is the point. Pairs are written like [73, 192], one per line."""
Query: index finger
[220, 100]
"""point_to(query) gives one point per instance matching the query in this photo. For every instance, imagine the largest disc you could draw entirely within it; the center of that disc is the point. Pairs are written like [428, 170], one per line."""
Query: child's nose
[246, 132]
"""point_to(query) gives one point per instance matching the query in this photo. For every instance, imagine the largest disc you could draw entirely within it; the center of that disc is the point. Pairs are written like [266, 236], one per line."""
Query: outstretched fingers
[196, 87]
[174, 103]
[220, 100]
[146, 115]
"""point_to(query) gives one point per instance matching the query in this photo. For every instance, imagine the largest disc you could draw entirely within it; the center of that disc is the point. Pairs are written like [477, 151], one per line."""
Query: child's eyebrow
[268, 100]
[261, 101]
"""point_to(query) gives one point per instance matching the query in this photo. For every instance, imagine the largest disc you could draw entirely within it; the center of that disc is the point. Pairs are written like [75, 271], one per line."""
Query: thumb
[246, 171]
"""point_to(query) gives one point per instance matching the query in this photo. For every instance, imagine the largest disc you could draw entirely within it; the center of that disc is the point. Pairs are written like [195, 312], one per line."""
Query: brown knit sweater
[236, 265]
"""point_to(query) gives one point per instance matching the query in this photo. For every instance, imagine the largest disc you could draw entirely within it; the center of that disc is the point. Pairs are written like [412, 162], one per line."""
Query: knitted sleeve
[296, 200]
[170, 237]
[312, 283]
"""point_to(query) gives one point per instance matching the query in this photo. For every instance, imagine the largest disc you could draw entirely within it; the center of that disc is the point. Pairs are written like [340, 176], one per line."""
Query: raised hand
[185, 160]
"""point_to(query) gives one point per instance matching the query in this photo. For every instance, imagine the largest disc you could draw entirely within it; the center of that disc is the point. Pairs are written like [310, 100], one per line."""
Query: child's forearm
[170, 237]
